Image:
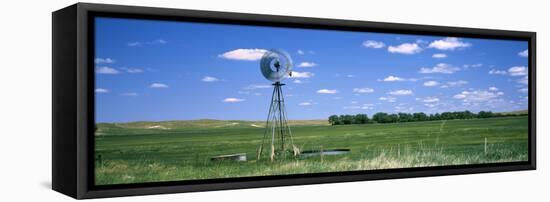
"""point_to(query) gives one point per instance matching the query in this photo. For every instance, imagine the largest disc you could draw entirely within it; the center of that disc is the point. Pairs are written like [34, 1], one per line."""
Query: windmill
[276, 65]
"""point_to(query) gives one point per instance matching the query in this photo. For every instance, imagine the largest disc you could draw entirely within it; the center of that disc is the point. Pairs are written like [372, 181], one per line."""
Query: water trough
[311, 153]
[230, 157]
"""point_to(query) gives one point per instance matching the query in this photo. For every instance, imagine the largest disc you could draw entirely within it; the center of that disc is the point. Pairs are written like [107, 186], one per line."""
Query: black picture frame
[73, 100]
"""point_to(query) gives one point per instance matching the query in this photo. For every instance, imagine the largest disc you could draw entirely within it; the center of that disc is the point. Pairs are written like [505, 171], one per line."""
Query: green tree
[346, 119]
[405, 117]
[334, 120]
[484, 114]
[392, 118]
[379, 117]
[437, 116]
[458, 115]
[420, 116]
[361, 119]
[447, 116]
[468, 115]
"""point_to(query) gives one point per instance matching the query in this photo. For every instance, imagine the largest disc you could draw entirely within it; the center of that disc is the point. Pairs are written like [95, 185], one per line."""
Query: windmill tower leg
[277, 132]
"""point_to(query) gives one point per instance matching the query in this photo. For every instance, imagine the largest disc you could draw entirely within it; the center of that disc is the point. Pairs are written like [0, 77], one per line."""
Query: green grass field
[181, 150]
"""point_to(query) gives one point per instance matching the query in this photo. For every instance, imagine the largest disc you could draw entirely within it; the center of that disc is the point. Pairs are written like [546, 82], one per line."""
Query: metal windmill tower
[276, 65]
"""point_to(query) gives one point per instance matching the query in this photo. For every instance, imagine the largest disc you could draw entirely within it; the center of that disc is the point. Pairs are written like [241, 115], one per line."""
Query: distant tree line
[382, 117]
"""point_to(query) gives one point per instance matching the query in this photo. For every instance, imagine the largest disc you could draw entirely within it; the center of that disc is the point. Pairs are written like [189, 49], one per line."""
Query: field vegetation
[181, 150]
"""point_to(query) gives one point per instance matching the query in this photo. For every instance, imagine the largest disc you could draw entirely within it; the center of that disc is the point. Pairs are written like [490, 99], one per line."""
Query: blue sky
[159, 70]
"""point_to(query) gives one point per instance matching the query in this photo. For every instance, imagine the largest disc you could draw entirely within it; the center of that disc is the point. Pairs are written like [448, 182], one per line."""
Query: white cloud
[431, 105]
[364, 106]
[431, 83]
[406, 48]
[492, 88]
[430, 99]
[159, 41]
[388, 99]
[352, 107]
[154, 42]
[300, 52]
[401, 92]
[134, 44]
[307, 64]
[101, 90]
[439, 68]
[472, 65]
[476, 96]
[298, 81]
[363, 90]
[420, 41]
[373, 44]
[327, 91]
[524, 53]
[350, 75]
[457, 83]
[244, 54]
[302, 74]
[106, 70]
[499, 72]
[209, 79]
[232, 99]
[403, 108]
[460, 96]
[132, 70]
[367, 106]
[393, 78]
[158, 85]
[449, 43]
[257, 86]
[524, 80]
[439, 55]
[132, 94]
[305, 104]
[523, 90]
[104, 61]
[517, 71]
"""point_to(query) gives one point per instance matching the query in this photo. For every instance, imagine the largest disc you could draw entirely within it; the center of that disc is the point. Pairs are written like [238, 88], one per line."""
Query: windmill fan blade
[276, 65]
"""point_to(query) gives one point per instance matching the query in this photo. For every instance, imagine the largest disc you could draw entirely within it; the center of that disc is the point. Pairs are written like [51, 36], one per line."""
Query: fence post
[322, 154]
[398, 151]
[485, 146]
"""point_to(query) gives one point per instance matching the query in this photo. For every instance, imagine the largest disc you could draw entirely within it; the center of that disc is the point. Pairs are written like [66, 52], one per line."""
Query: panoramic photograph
[180, 101]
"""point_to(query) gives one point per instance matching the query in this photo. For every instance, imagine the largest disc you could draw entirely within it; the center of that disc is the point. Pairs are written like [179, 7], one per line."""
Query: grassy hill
[162, 127]
[519, 112]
